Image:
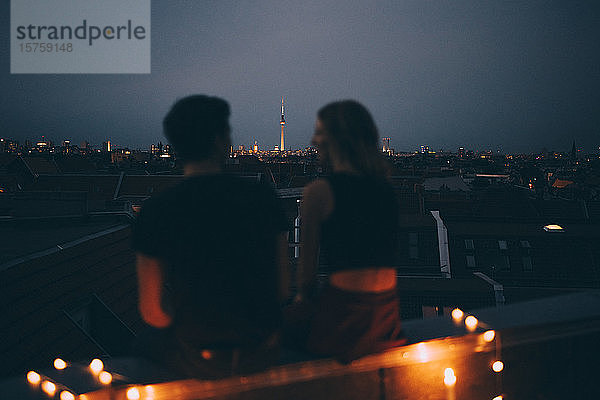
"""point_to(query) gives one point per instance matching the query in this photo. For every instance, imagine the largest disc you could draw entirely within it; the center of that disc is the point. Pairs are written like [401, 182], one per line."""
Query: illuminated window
[469, 244]
[525, 244]
[432, 311]
[553, 228]
[502, 244]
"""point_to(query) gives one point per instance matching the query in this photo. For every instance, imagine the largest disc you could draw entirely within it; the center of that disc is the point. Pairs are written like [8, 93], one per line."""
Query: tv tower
[282, 122]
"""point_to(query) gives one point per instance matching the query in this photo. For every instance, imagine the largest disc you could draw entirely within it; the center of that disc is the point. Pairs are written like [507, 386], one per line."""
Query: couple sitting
[212, 252]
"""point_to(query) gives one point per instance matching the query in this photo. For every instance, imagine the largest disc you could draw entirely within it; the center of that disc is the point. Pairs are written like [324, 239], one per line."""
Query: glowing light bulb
[471, 322]
[66, 395]
[457, 314]
[49, 388]
[498, 398]
[96, 365]
[105, 377]
[60, 364]
[133, 393]
[488, 336]
[33, 377]
[449, 377]
[422, 353]
[149, 392]
[498, 366]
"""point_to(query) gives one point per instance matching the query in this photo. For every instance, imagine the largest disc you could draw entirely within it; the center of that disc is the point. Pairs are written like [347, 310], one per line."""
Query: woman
[352, 216]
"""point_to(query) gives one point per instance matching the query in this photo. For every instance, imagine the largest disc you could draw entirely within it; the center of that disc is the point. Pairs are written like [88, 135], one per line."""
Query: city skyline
[255, 146]
[386, 145]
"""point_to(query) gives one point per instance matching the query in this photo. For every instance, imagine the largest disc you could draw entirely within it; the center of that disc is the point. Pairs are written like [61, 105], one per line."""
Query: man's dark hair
[193, 124]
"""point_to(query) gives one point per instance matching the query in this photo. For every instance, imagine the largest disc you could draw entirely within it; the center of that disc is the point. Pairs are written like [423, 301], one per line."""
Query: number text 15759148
[35, 47]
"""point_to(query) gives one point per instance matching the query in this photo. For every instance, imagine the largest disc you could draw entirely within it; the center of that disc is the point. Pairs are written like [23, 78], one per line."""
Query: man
[219, 244]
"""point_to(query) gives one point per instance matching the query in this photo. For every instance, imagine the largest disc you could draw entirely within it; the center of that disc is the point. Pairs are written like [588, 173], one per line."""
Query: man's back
[217, 239]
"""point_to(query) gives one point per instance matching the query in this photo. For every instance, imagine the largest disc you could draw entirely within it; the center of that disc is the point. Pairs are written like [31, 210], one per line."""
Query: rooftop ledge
[540, 349]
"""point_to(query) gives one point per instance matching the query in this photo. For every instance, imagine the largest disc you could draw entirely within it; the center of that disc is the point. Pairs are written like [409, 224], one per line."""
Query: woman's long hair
[354, 136]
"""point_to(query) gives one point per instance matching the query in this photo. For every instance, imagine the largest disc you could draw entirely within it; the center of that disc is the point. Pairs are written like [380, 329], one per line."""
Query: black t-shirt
[216, 235]
[362, 230]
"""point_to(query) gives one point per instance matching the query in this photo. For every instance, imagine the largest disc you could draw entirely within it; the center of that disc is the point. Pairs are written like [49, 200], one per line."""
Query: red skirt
[349, 325]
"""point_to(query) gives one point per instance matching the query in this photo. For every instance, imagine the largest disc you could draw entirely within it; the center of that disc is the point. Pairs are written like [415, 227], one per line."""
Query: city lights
[553, 228]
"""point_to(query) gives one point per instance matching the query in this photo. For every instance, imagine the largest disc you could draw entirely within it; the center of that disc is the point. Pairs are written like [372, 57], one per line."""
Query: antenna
[282, 123]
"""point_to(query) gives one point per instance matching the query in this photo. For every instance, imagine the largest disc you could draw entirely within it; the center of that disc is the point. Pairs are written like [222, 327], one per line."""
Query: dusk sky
[509, 75]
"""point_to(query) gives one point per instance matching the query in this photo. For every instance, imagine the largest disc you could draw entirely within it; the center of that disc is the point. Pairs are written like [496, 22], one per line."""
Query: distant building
[386, 144]
[282, 123]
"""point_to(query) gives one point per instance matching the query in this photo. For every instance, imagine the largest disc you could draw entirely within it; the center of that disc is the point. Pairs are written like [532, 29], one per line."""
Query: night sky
[505, 75]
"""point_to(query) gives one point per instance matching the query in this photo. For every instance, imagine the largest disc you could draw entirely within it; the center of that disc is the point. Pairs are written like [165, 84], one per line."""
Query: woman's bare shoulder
[318, 197]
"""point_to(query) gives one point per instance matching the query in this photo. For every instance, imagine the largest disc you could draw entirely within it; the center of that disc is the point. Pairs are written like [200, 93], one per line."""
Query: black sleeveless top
[362, 230]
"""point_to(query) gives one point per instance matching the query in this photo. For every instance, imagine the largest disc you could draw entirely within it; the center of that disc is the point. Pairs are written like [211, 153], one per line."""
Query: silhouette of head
[346, 131]
[198, 127]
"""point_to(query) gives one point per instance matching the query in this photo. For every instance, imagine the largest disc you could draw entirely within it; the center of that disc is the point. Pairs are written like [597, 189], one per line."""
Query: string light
[105, 377]
[60, 364]
[449, 377]
[498, 366]
[422, 353]
[33, 377]
[96, 365]
[66, 395]
[457, 314]
[133, 393]
[49, 388]
[488, 336]
[471, 323]
[149, 392]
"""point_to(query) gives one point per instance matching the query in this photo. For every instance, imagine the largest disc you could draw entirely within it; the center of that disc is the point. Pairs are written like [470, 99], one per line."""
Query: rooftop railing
[543, 349]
